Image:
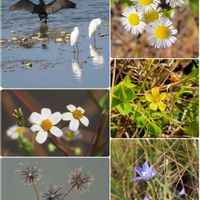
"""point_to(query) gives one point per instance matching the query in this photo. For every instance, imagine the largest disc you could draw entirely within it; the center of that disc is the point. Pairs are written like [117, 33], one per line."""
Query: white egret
[93, 26]
[74, 38]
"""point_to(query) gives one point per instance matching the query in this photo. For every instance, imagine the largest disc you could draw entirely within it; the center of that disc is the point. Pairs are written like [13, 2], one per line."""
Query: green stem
[153, 190]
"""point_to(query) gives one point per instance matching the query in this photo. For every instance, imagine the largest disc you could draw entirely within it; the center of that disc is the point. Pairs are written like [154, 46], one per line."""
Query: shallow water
[55, 65]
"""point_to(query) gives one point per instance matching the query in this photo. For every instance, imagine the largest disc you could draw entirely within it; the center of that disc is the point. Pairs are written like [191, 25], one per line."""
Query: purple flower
[146, 172]
[146, 198]
[182, 192]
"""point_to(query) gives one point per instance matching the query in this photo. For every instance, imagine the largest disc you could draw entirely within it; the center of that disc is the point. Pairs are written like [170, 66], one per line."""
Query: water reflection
[43, 29]
[77, 69]
[97, 57]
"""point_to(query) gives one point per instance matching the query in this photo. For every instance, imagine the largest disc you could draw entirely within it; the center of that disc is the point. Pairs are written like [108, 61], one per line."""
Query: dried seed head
[53, 194]
[29, 174]
[80, 181]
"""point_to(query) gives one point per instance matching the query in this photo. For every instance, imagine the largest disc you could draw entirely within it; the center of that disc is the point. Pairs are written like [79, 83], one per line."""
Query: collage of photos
[99, 100]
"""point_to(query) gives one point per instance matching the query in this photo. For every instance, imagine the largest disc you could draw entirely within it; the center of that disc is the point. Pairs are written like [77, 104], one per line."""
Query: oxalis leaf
[154, 129]
[124, 108]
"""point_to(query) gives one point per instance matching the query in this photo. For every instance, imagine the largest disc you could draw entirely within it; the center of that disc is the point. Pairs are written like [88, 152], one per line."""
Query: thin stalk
[66, 193]
[36, 192]
[58, 146]
[153, 190]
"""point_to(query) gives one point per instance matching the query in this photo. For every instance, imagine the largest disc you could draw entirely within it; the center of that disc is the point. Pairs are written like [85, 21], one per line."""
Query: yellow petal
[162, 106]
[155, 91]
[163, 96]
[153, 106]
[148, 97]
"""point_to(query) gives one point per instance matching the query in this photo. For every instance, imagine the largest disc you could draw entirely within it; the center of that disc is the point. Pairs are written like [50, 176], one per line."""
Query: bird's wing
[57, 5]
[23, 5]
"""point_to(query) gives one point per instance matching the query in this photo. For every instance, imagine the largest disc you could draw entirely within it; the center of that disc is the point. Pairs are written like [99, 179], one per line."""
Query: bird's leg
[77, 48]
[73, 49]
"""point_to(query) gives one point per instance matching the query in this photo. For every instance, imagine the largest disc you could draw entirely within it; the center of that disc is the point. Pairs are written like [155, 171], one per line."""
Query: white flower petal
[14, 136]
[67, 116]
[35, 118]
[41, 136]
[45, 113]
[56, 131]
[74, 124]
[71, 108]
[81, 109]
[36, 127]
[84, 120]
[55, 118]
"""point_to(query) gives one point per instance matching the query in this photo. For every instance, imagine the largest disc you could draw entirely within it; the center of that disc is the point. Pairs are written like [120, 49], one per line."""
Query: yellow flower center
[69, 135]
[20, 130]
[133, 19]
[46, 125]
[77, 114]
[151, 16]
[162, 32]
[145, 2]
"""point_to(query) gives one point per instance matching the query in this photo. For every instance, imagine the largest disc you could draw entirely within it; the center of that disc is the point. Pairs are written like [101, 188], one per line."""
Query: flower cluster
[46, 122]
[151, 16]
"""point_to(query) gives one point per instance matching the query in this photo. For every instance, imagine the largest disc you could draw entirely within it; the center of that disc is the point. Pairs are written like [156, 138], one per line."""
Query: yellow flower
[156, 99]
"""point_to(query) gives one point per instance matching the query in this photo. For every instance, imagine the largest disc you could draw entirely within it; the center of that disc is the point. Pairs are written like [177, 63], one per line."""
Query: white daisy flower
[15, 131]
[75, 115]
[146, 5]
[175, 3]
[161, 33]
[152, 15]
[70, 135]
[132, 20]
[44, 123]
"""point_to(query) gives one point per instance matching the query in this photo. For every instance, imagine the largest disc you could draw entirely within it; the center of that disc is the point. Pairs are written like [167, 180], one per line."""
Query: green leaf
[194, 7]
[154, 129]
[104, 101]
[124, 108]
[119, 92]
[192, 129]
[140, 121]
[127, 79]
[115, 102]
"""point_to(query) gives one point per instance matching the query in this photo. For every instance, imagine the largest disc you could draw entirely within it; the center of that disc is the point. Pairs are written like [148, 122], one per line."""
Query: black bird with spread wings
[42, 9]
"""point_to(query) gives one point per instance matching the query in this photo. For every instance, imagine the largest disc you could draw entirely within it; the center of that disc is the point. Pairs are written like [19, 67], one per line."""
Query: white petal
[36, 127]
[14, 136]
[35, 118]
[84, 120]
[56, 131]
[55, 117]
[74, 124]
[45, 112]
[41, 137]
[67, 116]
[71, 108]
[81, 109]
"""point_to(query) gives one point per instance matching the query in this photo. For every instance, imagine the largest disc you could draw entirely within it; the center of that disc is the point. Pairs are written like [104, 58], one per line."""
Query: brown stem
[66, 193]
[36, 192]
[58, 146]
[102, 123]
